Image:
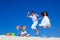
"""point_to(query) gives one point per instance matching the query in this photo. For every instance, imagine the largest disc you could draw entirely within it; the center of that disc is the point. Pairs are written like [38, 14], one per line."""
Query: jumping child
[45, 21]
[33, 16]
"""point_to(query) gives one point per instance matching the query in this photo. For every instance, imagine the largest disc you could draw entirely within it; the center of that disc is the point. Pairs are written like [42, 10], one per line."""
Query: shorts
[34, 25]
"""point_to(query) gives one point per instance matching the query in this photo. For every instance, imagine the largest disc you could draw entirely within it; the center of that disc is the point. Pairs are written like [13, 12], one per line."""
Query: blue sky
[13, 13]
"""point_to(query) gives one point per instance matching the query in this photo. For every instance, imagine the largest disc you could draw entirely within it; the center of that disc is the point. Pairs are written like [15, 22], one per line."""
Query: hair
[42, 13]
[32, 12]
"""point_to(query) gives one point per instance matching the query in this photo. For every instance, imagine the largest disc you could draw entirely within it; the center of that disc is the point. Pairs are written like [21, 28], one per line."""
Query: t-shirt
[23, 32]
[46, 20]
[34, 18]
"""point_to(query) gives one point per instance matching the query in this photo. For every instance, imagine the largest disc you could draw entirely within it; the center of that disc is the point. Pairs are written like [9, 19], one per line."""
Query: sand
[27, 38]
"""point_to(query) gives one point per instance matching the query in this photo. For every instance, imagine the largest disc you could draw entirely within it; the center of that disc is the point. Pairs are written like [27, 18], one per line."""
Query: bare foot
[37, 32]
[49, 26]
[44, 26]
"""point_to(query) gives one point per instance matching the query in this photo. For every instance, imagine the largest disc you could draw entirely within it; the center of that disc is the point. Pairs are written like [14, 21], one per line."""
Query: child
[33, 16]
[45, 21]
[23, 32]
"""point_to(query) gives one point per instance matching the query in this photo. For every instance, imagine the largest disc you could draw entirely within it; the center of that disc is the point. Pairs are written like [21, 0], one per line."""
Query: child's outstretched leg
[34, 28]
[36, 31]
[49, 26]
[44, 26]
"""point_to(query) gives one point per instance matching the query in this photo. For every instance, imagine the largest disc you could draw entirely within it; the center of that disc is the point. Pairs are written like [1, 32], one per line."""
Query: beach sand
[27, 38]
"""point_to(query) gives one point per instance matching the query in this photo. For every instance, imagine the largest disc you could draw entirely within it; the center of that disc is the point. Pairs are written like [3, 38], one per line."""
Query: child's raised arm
[37, 15]
[28, 14]
[39, 18]
[49, 19]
